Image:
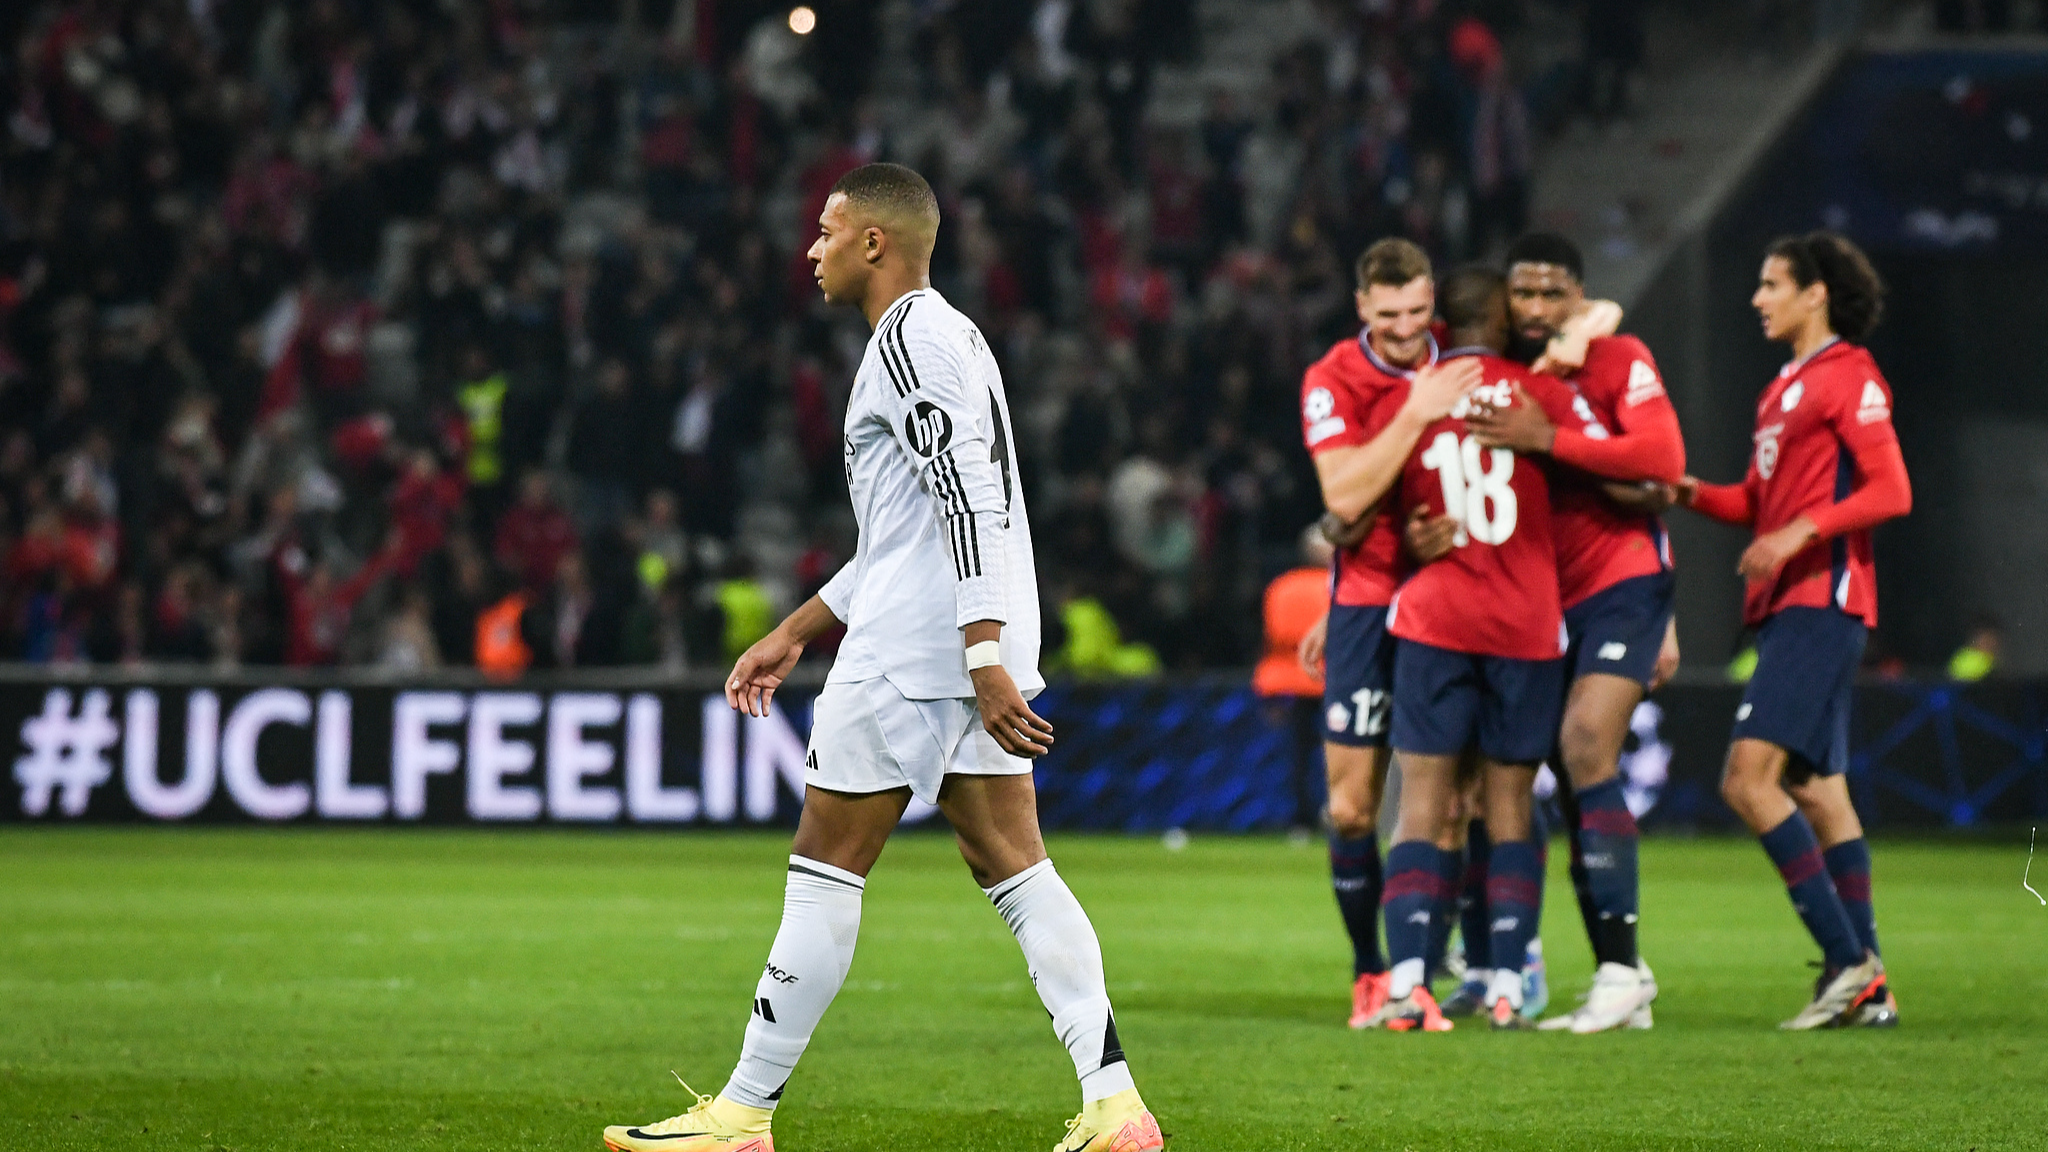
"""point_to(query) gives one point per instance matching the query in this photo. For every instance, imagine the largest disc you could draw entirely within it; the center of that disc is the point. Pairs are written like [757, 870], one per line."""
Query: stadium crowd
[438, 332]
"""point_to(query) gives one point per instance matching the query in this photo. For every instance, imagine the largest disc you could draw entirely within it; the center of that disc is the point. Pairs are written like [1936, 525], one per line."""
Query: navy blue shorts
[1446, 702]
[1619, 630]
[1358, 677]
[1798, 699]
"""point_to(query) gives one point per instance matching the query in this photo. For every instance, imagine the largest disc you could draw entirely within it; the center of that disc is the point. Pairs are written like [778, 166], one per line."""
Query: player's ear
[874, 243]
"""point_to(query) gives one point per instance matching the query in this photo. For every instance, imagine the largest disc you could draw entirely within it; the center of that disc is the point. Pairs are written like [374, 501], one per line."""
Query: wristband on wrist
[984, 654]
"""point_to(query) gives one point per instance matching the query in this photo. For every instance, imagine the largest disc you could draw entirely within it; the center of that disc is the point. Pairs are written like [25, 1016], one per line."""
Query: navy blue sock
[1539, 835]
[1794, 850]
[1473, 925]
[1356, 877]
[1514, 886]
[1607, 833]
[1582, 890]
[1849, 867]
[1450, 869]
[1411, 898]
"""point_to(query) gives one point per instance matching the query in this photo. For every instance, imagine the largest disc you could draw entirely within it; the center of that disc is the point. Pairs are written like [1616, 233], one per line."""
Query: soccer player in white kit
[927, 696]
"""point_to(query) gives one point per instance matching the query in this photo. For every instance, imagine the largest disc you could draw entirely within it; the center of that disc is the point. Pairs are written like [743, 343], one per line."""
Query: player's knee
[1584, 748]
[1352, 817]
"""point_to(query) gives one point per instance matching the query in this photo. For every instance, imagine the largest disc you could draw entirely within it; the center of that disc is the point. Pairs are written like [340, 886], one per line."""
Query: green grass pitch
[367, 989]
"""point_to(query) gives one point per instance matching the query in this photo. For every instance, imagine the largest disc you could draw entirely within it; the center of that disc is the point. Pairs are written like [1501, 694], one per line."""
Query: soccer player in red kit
[1825, 470]
[1479, 641]
[1616, 584]
[1359, 441]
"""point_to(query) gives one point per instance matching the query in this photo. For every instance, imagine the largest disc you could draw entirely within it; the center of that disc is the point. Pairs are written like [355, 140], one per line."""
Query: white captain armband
[984, 654]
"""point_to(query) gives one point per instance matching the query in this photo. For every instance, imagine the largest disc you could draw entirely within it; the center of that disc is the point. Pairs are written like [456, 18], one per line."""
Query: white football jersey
[944, 540]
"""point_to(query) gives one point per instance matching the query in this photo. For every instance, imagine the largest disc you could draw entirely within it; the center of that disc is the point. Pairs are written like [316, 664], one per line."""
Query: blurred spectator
[1296, 602]
[282, 285]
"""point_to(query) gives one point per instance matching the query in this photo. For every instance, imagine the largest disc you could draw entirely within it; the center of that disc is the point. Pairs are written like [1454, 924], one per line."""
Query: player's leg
[1469, 848]
[839, 838]
[1518, 722]
[1513, 884]
[1415, 893]
[1435, 715]
[1824, 801]
[1796, 706]
[995, 819]
[1358, 659]
[1358, 780]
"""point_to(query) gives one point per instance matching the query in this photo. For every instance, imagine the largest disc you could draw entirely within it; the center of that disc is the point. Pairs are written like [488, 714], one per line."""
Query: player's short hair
[1855, 290]
[1547, 248]
[892, 193]
[1392, 262]
[1471, 296]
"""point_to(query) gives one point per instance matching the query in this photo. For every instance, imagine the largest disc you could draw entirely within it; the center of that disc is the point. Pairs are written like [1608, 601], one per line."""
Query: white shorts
[866, 737]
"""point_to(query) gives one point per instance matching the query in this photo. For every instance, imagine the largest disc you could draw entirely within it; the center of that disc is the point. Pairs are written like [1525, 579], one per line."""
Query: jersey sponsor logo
[1499, 394]
[1613, 650]
[928, 429]
[1793, 395]
[1767, 449]
[1873, 407]
[1642, 384]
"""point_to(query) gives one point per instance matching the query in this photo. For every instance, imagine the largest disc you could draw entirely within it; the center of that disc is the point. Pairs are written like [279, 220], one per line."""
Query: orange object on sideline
[1295, 600]
[500, 651]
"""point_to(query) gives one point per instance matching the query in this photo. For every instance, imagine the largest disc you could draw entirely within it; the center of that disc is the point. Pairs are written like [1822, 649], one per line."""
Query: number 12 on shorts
[1478, 487]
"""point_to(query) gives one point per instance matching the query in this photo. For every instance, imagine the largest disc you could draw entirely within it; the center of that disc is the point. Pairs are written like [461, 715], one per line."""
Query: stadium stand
[419, 332]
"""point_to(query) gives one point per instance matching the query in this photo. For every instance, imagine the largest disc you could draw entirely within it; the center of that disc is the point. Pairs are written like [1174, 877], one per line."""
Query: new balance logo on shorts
[1613, 650]
[1742, 713]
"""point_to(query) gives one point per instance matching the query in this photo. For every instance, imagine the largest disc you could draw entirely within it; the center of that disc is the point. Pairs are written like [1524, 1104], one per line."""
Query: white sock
[1478, 976]
[1065, 961]
[1406, 975]
[806, 965]
[1506, 985]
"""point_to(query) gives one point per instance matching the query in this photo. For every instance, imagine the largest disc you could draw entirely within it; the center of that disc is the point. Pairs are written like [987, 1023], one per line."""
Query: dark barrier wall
[1201, 755]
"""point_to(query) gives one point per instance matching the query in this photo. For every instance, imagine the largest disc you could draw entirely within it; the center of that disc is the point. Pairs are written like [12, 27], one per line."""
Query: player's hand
[1685, 491]
[1667, 657]
[1429, 538]
[1342, 535]
[1006, 716]
[1438, 388]
[1648, 496]
[1521, 427]
[1310, 650]
[760, 672]
[1769, 552]
[1565, 354]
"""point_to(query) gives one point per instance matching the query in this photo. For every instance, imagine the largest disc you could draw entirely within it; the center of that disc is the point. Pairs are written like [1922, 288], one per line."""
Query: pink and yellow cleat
[1118, 1123]
[1368, 996]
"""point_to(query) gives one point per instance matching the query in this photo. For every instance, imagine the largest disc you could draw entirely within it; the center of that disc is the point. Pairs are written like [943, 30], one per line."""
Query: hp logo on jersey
[928, 429]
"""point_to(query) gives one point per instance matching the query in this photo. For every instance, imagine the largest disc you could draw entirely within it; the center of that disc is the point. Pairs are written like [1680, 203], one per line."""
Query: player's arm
[1882, 492]
[942, 422]
[1729, 503]
[762, 668]
[1646, 445]
[1566, 351]
[1355, 478]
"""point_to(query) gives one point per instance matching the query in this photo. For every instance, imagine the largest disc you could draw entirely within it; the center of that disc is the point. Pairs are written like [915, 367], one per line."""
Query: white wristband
[984, 654]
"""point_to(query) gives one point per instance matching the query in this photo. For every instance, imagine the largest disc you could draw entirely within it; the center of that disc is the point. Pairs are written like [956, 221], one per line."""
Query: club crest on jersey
[1793, 395]
[1767, 449]
[928, 429]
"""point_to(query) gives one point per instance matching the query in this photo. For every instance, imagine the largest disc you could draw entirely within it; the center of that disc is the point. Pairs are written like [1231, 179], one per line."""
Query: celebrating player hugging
[927, 696]
[1502, 596]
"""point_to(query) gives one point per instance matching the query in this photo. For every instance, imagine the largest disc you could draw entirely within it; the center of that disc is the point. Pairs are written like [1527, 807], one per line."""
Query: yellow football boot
[1116, 1123]
[713, 1124]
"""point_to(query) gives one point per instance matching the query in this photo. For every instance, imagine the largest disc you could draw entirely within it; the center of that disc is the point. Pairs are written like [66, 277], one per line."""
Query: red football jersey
[1343, 405]
[1812, 424]
[1599, 543]
[1496, 593]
